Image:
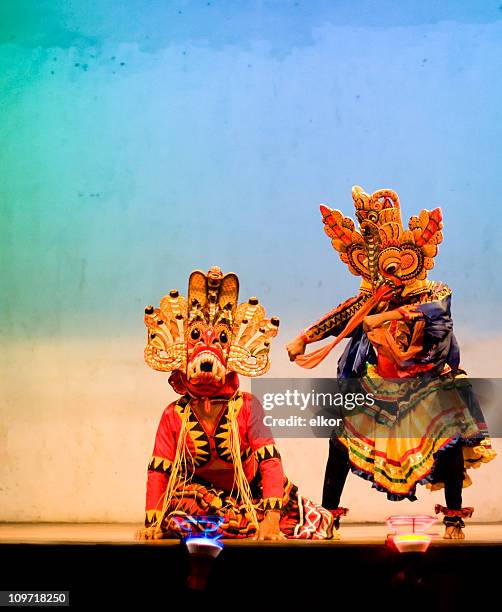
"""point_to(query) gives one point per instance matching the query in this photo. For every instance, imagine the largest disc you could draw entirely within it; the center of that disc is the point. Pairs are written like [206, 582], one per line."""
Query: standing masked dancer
[212, 455]
[425, 426]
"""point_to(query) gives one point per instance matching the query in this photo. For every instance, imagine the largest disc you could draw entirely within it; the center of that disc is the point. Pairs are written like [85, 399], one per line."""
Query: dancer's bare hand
[296, 347]
[370, 322]
[269, 528]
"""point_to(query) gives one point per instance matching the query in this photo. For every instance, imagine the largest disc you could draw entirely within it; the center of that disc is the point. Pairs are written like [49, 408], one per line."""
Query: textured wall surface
[79, 420]
[140, 140]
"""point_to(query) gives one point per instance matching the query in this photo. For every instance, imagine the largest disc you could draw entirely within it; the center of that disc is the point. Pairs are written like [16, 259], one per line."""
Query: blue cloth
[440, 344]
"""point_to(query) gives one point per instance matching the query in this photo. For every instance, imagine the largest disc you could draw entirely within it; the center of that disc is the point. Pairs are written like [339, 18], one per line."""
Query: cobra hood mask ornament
[208, 338]
[392, 261]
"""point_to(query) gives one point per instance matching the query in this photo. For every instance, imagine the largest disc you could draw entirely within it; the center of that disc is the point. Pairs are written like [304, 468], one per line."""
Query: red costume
[226, 465]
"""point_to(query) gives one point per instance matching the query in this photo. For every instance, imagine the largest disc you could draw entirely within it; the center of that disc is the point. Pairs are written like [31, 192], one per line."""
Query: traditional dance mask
[383, 251]
[209, 334]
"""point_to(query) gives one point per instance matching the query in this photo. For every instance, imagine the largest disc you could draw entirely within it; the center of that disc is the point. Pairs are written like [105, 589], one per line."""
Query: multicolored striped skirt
[396, 443]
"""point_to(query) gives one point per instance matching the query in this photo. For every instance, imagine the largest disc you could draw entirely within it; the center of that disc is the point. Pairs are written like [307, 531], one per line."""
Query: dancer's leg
[337, 468]
[452, 469]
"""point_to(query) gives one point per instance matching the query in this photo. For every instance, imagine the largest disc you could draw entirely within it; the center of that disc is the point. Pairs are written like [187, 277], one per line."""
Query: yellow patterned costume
[426, 425]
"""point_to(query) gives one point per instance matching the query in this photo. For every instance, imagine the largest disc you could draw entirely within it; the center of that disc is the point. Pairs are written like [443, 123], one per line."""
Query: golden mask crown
[382, 248]
[212, 303]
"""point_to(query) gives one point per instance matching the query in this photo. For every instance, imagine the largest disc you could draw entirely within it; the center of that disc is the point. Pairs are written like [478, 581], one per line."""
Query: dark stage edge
[327, 575]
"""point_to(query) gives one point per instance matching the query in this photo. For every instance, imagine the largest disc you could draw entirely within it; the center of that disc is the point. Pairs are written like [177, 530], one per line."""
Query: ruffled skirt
[396, 443]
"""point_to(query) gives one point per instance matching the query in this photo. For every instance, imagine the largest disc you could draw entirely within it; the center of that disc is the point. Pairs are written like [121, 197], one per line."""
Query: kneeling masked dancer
[213, 456]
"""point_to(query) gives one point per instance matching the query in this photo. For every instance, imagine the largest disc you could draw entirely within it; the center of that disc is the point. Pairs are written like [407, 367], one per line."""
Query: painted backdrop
[143, 139]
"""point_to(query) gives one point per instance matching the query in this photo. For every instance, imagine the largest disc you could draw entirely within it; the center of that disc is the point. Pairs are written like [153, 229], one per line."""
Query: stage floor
[103, 563]
[352, 534]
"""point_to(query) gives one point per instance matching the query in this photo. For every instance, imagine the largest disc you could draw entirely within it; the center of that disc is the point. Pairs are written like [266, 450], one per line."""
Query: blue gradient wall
[143, 139]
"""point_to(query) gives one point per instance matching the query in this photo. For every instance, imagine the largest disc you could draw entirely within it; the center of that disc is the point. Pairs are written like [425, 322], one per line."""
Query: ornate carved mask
[382, 251]
[209, 333]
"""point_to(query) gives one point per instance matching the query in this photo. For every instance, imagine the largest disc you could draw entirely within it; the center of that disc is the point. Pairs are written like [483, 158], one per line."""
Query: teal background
[142, 139]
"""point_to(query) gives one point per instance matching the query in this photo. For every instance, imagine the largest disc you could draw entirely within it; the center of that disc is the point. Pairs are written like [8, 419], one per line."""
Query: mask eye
[389, 261]
[195, 333]
[223, 337]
